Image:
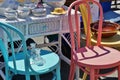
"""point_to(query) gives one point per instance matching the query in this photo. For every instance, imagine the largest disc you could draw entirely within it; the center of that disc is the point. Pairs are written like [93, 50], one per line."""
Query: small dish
[23, 12]
[10, 14]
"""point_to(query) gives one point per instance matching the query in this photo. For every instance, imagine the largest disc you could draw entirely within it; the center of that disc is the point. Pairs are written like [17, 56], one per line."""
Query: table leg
[2, 74]
[67, 60]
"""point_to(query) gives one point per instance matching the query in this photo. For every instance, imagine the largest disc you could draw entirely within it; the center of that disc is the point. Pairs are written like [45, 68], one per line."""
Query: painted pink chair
[90, 59]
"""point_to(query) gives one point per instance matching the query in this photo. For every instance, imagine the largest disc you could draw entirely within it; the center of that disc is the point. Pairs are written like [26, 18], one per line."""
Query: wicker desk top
[37, 26]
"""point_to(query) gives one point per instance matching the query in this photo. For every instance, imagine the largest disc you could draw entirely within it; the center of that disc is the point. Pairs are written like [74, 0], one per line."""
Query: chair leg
[118, 72]
[7, 74]
[2, 74]
[77, 73]
[27, 77]
[92, 74]
[58, 72]
[72, 70]
[96, 72]
[85, 75]
[37, 77]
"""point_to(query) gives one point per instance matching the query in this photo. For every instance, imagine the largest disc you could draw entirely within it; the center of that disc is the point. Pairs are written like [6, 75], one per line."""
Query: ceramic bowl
[23, 13]
[55, 3]
[39, 12]
[10, 14]
[109, 29]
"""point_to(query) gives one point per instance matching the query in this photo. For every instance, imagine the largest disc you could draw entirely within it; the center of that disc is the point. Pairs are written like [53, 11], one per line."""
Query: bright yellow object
[58, 11]
[84, 18]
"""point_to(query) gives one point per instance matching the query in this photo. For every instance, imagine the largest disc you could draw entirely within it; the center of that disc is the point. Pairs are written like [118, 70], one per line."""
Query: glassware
[10, 14]
[35, 55]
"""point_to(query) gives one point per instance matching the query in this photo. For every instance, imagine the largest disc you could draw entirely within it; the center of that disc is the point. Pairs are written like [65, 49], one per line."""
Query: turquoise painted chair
[19, 61]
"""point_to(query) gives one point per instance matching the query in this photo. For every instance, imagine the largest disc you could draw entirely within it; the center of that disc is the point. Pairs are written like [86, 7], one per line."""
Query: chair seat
[107, 58]
[51, 62]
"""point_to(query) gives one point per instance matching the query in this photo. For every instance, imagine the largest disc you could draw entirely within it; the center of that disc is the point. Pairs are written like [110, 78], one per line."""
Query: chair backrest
[75, 30]
[9, 30]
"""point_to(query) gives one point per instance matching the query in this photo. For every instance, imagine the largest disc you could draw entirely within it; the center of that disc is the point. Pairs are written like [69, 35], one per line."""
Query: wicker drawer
[22, 28]
[43, 27]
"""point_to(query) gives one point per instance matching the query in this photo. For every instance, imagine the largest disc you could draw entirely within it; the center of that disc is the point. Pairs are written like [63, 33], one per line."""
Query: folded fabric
[112, 16]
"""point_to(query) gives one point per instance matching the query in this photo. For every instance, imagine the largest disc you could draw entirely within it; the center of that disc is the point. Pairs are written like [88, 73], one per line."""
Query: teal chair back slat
[3, 50]
[6, 28]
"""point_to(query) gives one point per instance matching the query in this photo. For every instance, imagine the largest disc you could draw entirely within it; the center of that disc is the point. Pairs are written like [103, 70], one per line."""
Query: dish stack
[23, 11]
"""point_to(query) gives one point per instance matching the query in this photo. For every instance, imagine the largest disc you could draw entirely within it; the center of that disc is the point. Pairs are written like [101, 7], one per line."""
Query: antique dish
[10, 14]
[23, 13]
[109, 29]
[39, 11]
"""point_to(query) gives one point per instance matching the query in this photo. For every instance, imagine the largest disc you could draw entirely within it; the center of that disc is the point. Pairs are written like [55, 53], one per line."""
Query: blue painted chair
[19, 61]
